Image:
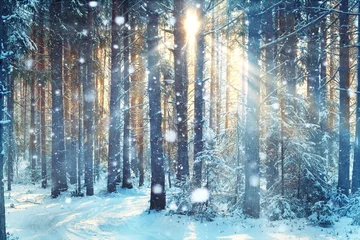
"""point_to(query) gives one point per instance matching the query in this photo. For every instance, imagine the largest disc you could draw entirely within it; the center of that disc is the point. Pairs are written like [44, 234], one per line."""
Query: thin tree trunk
[126, 183]
[3, 73]
[212, 75]
[12, 143]
[67, 106]
[272, 143]
[356, 164]
[344, 113]
[323, 90]
[43, 108]
[313, 72]
[32, 147]
[198, 104]
[252, 161]
[75, 81]
[80, 157]
[42, 96]
[89, 99]
[228, 68]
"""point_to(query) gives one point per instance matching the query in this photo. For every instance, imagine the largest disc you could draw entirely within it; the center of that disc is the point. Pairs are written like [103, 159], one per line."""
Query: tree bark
[3, 73]
[32, 147]
[42, 97]
[157, 197]
[181, 90]
[272, 142]
[114, 128]
[344, 113]
[58, 171]
[252, 130]
[89, 99]
[198, 103]
[126, 183]
[356, 164]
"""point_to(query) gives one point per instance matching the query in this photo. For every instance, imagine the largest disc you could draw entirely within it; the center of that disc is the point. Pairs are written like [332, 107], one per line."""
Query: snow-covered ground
[32, 214]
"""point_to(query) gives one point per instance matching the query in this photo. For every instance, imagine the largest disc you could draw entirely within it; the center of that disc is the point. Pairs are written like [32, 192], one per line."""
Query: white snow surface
[31, 214]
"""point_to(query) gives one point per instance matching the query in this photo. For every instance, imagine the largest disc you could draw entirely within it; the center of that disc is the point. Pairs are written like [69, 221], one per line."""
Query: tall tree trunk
[139, 134]
[25, 102]
[3, 73]
[198, 104]
[344, 114]
[126, 183]
[32, 147]
[252, 129]
[89, 99]
[67, 105]
[157, 197]
[114, 128]
[323, 88]
[74, 97]
[332, 115]
[42, 97]
[11, 150]
[181, 89]
[356, 164]
[218, 81]
[272, 141]
[228, 67]
[212, 75]
[313, 71]
[42, 103]
[58, 171]
[289, 49]
[80, 157]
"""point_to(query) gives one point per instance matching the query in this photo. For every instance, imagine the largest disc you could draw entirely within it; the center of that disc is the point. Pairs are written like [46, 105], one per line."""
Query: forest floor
[31, 214]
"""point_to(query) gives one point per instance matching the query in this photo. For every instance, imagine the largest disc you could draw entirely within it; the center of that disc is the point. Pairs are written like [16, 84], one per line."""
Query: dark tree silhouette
[344, 112]
[157, 198]
[58, 171]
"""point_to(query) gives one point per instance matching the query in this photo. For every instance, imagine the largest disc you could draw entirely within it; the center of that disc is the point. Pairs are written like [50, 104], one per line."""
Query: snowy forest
[179, 119]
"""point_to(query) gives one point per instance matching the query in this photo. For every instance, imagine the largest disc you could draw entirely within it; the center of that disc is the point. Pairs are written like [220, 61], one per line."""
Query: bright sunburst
[191, 24]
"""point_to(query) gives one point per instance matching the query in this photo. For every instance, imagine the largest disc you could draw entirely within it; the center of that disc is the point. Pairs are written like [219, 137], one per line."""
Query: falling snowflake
[157, 189]
[200, 195]
[275, 106]
[131, 69]
[93, 4]
[254, 181]
[172, 21]
[119, 20]
[170, 136]
[29, 63]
